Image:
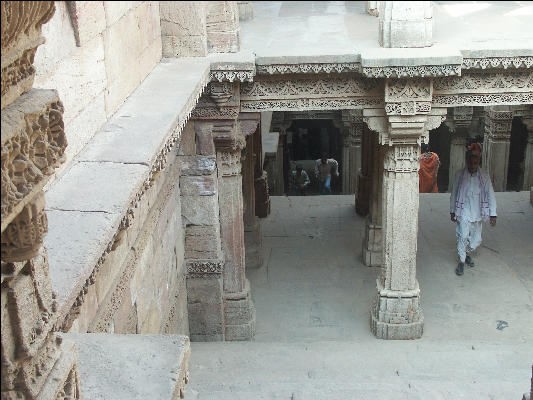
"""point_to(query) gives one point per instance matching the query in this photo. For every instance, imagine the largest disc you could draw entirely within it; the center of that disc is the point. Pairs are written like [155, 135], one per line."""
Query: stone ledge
[107, 180]
[132, 367]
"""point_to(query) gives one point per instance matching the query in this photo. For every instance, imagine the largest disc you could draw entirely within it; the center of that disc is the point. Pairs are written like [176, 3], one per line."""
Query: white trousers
[468, 237]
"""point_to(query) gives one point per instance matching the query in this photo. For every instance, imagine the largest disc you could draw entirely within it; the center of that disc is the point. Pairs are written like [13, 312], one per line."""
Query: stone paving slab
[331, 31]
[131, 367]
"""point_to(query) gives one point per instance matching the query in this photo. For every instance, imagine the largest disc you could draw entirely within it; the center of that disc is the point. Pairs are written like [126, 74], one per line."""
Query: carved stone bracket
[460, 117]
[219, 101]
[33, 143]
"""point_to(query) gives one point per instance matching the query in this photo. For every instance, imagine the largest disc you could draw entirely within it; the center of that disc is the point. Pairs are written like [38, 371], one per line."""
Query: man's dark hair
[324, 156]
[424, 147]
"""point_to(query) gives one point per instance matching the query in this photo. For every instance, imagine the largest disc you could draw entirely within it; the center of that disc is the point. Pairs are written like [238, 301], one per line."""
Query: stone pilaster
[351, 152]
[528, 155]
[498, 122]
[408, 117]
[405, 23]
[36, 363]
[364, 182]
[373, 239]
[252, 226]
[396, 313]
[459, 124]
[222, 26]
[238, 306]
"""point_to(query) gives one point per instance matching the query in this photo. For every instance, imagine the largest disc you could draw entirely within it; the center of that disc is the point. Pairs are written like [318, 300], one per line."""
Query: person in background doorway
[300, 180]
[471, 202]
[323, 167]
[429, 168]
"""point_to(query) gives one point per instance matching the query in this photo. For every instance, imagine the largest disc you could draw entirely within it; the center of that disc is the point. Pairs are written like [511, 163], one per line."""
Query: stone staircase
[369, 369]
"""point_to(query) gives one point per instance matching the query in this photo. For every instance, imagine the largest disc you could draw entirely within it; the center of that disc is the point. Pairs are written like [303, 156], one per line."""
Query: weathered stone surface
[135, 366]
[114, 10]
[67, 194]
[198, 185]
[183, 28]
[197, 165]
[206, 317]
[202, 242]
[88, 19]
[222, 25]
[202, 210]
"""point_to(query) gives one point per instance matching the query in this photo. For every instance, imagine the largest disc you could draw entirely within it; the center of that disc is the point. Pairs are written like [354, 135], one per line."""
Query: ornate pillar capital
[221, 100]
[460, 118]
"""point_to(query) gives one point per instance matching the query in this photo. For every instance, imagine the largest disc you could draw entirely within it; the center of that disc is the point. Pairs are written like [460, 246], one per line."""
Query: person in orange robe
[429, 167]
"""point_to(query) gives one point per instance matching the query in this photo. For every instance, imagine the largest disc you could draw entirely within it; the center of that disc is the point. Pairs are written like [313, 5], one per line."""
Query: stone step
[369, 369]
[131, 367]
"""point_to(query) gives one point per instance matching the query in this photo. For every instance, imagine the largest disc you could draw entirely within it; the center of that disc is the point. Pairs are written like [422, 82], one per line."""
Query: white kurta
[469, 225]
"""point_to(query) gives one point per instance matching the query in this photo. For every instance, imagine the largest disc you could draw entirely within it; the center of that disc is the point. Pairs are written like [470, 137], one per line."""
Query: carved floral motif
[204, 268]
[485, 82]
[402, 158]
[412, 71]
[308, 68]
[33, 145]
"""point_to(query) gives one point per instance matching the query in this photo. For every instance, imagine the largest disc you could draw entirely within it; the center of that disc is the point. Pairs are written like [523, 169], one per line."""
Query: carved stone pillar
[373, 239]
[262, 198]
[36, 364]
[252, 226]
[408, 117]
[528, 155]
[405, 24]
[351, 152]
[498, 122]
[396, 313]
[238, 307]
[362, 197]
[459, 125]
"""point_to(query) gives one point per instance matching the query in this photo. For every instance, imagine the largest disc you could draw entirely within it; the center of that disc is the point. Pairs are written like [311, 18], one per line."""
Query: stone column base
[239, 312]
[373, 245]
[396, 315]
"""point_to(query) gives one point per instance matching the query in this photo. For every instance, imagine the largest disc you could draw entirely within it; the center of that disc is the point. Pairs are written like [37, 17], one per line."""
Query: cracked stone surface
[313, 297]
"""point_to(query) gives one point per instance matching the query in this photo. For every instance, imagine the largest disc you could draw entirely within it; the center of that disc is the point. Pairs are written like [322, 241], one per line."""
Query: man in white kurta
[471, 202]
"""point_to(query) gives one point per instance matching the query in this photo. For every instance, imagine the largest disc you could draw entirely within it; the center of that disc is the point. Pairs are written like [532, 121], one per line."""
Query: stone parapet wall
[96, 54]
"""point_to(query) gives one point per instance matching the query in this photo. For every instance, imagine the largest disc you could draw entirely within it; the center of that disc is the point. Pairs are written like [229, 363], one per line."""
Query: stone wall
[96, 54]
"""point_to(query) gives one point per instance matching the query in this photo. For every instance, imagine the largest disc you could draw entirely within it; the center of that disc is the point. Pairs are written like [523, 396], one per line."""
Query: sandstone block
[205, 307]
[197, 165]
[201, 210]
[88, 19]
[114, 10]
[198, 185]
[79, 78]
[202, 242]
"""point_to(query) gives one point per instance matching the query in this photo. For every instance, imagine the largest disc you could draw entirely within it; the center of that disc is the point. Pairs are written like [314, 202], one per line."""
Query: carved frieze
[498, 62]
[219, 101]
[231, 75]
[229, 163]
[412, 71]
[486, 82]
[402, 158]
[408, 96]
[305, 68]
[204, 268]
[478, 99]
[33, 143]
